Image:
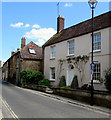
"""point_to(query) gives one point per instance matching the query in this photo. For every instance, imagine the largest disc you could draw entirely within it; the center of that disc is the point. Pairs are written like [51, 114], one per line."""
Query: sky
[37, 21]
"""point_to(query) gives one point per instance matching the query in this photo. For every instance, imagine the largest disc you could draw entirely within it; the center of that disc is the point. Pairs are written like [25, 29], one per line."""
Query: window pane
[97, 41]
[52, 73]
[32, 51]
[71, 47]
[53, 51]
[97, 71]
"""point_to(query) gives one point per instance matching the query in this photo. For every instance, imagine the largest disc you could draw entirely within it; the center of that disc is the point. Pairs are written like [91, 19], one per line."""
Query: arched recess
[70, 74]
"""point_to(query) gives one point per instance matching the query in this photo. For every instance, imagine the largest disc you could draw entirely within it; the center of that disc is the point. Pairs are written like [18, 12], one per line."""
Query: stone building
[29, 57]
[0, 70]
[76, 41]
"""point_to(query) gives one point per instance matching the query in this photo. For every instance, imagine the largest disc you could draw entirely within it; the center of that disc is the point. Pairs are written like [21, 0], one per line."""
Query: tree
[62, 81]
[108, 79]
[74, 83]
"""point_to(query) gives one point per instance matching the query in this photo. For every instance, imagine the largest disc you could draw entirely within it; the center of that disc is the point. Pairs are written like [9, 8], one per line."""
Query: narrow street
[33, 104]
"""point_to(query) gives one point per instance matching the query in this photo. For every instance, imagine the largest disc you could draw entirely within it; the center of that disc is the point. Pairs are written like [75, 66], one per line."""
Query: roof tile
[100, 22]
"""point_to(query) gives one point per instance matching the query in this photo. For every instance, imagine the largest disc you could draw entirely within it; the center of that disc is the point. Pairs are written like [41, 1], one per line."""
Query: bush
[44, 82]
[65, 87]
[108, 79]
[30, 77]
[62, 81]
[35, 77]
[74, 83]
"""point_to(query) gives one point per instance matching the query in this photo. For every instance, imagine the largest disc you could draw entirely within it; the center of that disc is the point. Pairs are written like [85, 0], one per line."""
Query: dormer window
[32, 51]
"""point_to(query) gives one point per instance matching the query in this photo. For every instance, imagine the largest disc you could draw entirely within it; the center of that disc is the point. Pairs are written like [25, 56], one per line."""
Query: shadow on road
[6, 83]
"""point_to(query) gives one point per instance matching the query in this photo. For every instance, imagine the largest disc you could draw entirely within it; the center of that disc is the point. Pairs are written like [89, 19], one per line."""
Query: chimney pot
[23, 42]
[18, 49]
[12, 53]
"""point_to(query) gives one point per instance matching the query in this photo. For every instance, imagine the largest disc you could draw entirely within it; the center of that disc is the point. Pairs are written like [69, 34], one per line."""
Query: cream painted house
[76, 41]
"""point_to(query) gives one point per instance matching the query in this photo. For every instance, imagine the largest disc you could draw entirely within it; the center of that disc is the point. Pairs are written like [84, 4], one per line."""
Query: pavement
[70, 101]
[72, 108]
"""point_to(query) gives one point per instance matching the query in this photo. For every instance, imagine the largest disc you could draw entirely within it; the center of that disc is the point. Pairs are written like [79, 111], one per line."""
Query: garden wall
[100, 98]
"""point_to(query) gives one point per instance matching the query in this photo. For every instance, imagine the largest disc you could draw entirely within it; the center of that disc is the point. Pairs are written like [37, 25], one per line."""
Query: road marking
[1, 116]
[67, 102]
[9, 109]
[75, 105]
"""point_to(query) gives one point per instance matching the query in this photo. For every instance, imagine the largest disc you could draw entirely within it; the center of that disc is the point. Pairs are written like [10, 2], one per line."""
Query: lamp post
[92, 4]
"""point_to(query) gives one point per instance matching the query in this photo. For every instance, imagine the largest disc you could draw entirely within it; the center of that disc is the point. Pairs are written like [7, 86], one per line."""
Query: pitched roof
[100, 22]
[25, 53]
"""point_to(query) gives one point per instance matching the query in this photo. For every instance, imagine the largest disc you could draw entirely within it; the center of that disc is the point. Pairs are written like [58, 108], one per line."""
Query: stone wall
[30, 65]
[12, 68]
[100, 98]
[5, 71]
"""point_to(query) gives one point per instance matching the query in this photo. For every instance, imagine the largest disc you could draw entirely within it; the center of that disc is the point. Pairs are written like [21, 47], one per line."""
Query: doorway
[70, 74]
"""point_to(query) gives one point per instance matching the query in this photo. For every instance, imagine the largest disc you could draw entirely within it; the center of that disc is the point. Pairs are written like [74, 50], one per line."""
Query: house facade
[29, 57]
[75, 41]
[0, 70]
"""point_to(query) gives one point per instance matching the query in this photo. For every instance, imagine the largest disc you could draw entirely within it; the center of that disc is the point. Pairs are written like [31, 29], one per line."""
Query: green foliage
[30, 77]
[65, 87]
[101, 80]
[108, 79]
[62, 81]
[44, 82]
[74, 83]
[57, 35]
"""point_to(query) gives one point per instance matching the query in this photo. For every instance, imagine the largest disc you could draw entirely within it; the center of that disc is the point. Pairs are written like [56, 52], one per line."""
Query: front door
[70, 74]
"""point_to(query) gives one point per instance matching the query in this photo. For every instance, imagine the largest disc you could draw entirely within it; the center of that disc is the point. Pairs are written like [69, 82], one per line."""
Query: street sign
[92, 67]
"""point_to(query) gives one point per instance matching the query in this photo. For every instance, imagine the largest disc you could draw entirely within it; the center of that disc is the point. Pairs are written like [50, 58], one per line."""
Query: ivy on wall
[78, 62]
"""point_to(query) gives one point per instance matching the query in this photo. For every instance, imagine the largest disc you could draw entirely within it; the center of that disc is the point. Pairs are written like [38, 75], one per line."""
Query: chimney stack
[12, 53]
[23, 42]
[18, 49]
[60, 23]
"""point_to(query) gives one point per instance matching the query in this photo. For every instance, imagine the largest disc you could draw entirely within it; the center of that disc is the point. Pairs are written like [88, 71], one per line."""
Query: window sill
[96, 82]
[53, 80]
[52, 58]
[95, 51]
[70, 55]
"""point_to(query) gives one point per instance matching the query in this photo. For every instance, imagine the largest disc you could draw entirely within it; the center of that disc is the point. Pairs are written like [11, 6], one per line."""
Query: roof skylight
[32, 51]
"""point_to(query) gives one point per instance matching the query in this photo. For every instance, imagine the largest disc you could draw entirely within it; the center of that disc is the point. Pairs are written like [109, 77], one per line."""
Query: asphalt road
[27, 104]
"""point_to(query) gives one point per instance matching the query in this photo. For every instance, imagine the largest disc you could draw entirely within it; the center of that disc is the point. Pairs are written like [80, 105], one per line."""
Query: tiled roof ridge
[102, 21]
[88, 20]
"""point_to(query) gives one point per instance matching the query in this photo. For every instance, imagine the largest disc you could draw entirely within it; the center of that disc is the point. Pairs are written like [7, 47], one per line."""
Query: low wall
[100, 98]
[36, 87]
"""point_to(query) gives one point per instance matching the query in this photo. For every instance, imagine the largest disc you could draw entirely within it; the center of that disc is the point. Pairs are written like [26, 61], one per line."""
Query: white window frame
[32, 51]
[97, 71]
[69, 54]
[53, 51]
[97, 42]
[51, 78]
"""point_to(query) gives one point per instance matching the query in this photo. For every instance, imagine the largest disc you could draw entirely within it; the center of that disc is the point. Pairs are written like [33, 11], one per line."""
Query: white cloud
[19, 24]
[27, 25]
[68, 5]
[36, 26]
[40, 42]
[41, 35]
